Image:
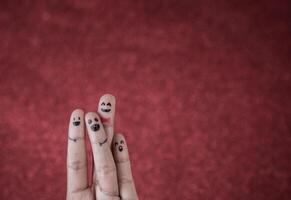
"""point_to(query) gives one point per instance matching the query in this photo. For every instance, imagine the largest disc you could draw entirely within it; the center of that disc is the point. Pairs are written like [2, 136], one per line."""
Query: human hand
[112, 179]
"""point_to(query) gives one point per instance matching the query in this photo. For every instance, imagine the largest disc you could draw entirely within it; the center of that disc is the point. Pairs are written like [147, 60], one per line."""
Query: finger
[86, 194]
[76, 155]
[107, 186]
[126, 184]
[106, 110]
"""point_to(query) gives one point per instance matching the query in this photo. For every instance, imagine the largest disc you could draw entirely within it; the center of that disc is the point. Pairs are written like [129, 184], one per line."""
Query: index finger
[76, 156]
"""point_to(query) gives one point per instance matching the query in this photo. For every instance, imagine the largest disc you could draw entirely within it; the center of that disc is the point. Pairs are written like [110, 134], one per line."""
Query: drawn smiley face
[105, 107]
[76, 121]
[76, 127]
[94, 124]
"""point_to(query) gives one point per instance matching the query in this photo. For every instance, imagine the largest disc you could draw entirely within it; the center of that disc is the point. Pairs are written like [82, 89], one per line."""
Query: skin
[106, 111]
[112, 178]
[124, 175]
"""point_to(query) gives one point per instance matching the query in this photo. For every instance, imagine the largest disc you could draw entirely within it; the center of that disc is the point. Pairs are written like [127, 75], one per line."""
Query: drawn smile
[95, 127]
[76, 123]
[75, 139]
[100, 143]
[105, 110]
[120, 148]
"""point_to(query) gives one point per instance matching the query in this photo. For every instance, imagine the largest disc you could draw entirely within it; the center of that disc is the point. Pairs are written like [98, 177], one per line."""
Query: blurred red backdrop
[202, 88]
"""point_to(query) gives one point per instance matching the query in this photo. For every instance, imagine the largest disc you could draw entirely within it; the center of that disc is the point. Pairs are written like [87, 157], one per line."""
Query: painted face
[76, 121]
[98, 134]
[120, 148]
[106, 109]
[119, 145]
[76, 125]
[94, 125]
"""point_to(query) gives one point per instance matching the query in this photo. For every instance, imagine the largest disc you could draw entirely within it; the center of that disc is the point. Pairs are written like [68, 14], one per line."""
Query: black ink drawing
[95, 126]
[101, 143]
[76, 121]
[120, 147]
[105, 108]
[75, 139]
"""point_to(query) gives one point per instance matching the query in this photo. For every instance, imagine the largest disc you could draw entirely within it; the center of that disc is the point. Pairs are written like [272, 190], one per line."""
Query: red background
[202, 87]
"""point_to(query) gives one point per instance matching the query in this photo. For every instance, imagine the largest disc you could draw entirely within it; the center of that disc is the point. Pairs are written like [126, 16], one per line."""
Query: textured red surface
[202, 88]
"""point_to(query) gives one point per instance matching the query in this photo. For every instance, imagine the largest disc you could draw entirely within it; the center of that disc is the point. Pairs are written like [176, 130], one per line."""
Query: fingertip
[108, 96]
[78, 110]
[106, 105]
[76, 125]
[95, 129]
[90, 115]
[120, 148]
[77, 113]
[118, 136]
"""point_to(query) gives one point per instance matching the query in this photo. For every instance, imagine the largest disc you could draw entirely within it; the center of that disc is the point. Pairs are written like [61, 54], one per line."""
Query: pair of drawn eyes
[90, 120]
[75, 118]
[121, 142]
[103, 104]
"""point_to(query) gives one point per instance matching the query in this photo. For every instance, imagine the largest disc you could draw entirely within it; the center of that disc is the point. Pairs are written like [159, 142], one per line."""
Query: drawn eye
[89, 121]
[96, 119]
[121, 142]
[102, 104]
[116, 143]
[74, 118]
[79, 118]
[108, 104]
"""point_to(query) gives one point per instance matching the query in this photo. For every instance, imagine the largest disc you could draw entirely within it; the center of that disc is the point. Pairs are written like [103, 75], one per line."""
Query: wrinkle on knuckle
[81, 189]
[76, 165]
[110, 194]
[105, 170]
[125, 180]
[84, 194]
[118, 161]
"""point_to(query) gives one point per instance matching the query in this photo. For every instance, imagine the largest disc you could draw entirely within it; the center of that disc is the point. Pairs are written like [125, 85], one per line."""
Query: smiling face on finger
[106, 109]
[76, 127]
[76, 120]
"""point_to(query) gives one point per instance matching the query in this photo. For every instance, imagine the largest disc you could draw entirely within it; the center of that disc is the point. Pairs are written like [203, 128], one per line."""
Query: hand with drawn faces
[112, 176]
